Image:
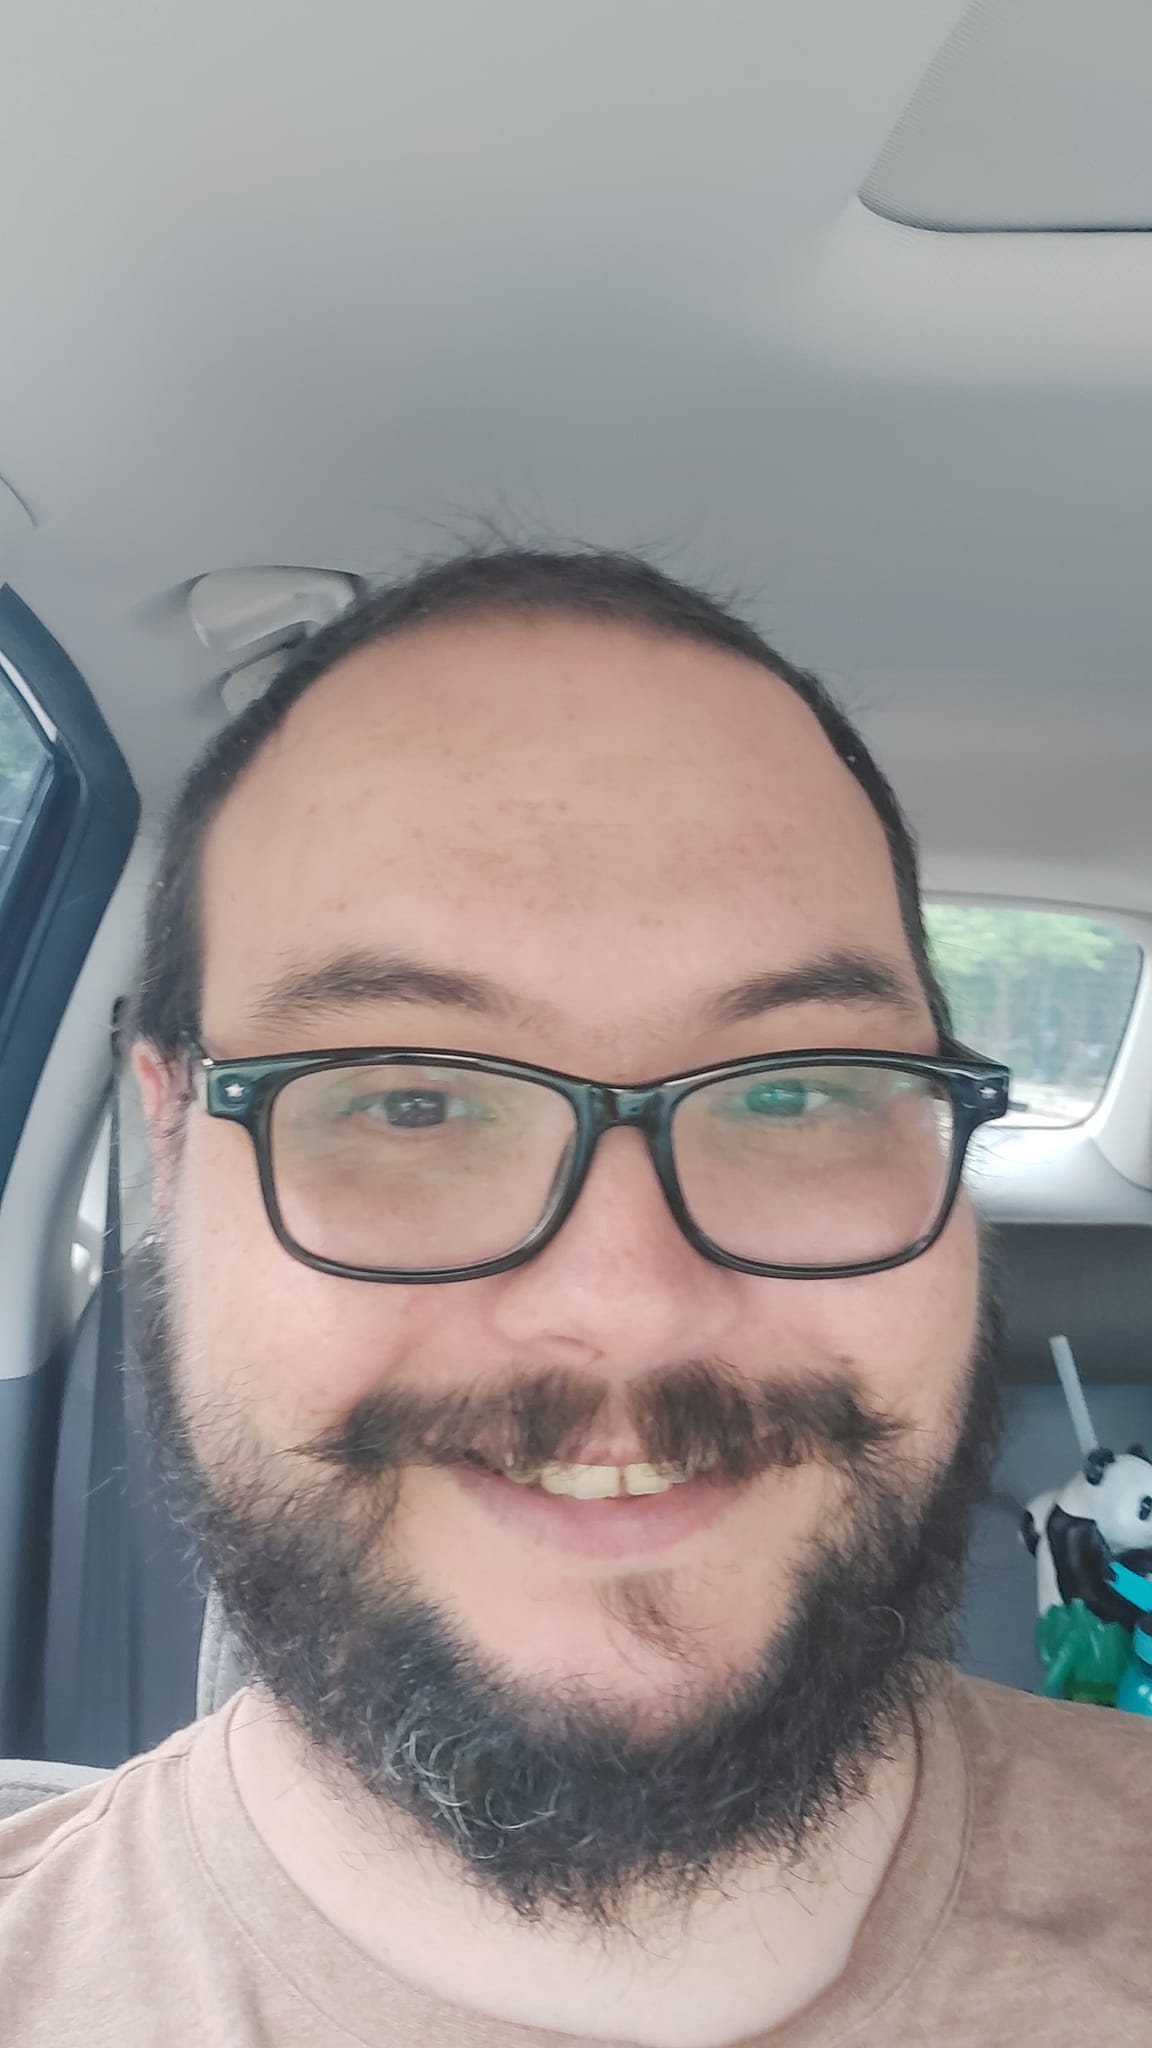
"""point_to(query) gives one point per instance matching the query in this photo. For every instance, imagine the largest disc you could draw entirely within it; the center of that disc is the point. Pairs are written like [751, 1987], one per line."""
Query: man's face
[615, 828]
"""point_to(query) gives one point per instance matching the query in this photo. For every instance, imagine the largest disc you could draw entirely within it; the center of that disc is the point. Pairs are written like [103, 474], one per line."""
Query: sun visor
[251, 617]
[1035, 117]
[249, 611]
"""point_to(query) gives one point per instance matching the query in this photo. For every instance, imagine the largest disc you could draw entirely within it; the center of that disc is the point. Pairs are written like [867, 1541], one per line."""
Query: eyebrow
[833, 978]
[361, 978]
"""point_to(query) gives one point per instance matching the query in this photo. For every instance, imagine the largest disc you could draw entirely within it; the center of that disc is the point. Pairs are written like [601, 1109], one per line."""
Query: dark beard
[558, 1804]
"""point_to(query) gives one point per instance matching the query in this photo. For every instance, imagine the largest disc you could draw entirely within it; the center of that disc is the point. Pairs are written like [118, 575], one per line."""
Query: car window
[1046, 991]
[25, 773]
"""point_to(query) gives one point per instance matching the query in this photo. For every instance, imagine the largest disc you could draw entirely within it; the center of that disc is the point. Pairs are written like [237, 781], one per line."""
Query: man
[573, 1354]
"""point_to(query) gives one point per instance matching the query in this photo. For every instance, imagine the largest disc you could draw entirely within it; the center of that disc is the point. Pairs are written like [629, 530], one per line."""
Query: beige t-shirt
[145, 1911]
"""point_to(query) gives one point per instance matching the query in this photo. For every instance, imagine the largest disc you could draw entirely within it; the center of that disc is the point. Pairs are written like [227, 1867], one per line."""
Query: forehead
[544, 801]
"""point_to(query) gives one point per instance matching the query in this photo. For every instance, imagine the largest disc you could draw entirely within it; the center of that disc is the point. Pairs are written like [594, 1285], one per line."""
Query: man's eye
[405, 1109]
[786, 1100]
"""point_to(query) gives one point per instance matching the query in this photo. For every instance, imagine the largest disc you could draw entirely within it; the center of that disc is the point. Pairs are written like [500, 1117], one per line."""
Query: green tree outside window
[1049, 992]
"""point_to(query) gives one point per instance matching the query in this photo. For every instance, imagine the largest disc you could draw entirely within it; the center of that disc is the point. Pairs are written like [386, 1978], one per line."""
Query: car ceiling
[326, 286]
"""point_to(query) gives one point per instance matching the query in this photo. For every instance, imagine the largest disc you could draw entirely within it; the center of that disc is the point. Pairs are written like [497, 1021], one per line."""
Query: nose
[619, 1280]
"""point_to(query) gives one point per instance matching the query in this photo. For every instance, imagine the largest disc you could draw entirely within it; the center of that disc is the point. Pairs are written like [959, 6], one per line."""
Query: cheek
[906, 1336]
[297, 1348]
[909, 1334]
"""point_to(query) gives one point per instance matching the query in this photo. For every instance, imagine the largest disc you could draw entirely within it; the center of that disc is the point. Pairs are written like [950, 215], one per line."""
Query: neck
[735, 1963]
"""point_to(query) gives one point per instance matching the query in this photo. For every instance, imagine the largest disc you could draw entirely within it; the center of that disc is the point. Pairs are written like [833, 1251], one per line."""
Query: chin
[633, 1642]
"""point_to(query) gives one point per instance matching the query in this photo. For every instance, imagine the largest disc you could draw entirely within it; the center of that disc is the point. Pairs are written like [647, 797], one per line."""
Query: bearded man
[570, 1345]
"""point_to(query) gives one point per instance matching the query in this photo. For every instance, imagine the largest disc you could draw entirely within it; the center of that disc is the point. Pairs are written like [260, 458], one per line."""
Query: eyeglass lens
[420, 1167]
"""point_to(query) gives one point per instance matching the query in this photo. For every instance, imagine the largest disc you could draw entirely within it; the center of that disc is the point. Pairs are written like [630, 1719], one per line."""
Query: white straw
[1065, 1365]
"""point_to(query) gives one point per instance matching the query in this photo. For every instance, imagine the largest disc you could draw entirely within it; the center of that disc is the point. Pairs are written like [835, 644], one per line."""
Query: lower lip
[628, 1526]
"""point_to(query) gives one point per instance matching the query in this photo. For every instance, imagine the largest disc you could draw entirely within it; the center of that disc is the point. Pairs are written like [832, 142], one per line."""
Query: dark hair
[505, 581]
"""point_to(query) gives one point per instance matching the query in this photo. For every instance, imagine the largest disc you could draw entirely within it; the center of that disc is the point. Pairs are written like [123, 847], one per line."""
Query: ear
[1096, 1464]
[1138, 1451]
[163, 1098]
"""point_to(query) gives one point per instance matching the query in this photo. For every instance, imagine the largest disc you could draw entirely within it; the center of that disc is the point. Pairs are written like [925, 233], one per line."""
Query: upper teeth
[601, 1482]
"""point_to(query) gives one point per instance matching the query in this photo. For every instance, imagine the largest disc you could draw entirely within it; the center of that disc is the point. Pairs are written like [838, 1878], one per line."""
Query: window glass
[25, 768]
[1047, 992]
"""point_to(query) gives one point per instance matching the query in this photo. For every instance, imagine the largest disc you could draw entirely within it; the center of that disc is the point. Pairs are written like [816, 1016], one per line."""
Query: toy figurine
[1104, 1511]
[1082, 1657]
[1134, 1693]
[1077, 1533]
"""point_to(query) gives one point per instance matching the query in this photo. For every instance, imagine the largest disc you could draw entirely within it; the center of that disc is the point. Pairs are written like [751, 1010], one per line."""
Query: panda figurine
[1104, 1513]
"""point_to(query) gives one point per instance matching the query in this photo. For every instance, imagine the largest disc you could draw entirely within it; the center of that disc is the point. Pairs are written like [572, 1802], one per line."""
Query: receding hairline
[510, 583]
[493, 615]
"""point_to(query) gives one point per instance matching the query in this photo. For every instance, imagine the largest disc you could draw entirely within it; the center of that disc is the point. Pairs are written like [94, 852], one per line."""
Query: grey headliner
[301, 287]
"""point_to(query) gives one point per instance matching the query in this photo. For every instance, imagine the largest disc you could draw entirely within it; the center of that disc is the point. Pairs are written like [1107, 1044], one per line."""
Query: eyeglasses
[413, 1165]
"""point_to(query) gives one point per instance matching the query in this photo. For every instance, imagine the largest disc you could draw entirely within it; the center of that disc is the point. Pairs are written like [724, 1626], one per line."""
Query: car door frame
[69, 861]
[66, 870]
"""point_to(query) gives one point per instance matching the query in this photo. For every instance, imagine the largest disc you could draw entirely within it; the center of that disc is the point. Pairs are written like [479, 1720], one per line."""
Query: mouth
[601, 1510]
[606, 1482]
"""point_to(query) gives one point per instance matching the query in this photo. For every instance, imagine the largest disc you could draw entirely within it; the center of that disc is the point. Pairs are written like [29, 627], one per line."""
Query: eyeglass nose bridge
[638, 1107]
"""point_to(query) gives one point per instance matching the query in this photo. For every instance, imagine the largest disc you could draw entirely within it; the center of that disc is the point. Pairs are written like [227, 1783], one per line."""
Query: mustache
[699, 1412]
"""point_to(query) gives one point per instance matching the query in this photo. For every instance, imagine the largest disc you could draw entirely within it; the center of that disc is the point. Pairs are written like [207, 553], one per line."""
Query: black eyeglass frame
[243, 1091]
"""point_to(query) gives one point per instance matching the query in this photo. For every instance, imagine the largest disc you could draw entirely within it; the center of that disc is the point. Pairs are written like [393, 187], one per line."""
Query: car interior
[844, 312]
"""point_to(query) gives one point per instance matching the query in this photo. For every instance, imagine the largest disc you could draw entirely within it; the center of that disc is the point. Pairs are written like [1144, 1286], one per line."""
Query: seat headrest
[25, 1782]
[222, 1667]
